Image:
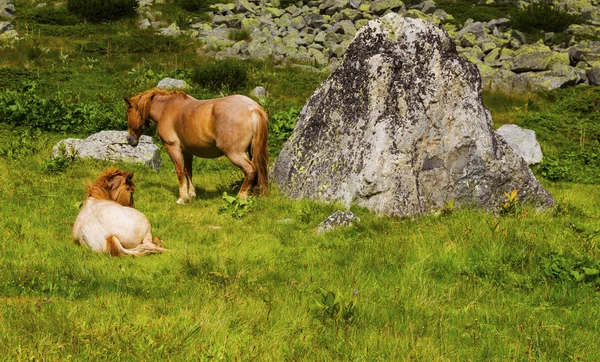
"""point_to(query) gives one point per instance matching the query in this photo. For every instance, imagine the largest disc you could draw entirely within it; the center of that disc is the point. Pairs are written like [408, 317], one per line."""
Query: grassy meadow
[256, 281]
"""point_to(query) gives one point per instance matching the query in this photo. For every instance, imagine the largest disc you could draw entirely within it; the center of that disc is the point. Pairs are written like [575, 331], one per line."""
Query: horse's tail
[114, 247]
[259, 148]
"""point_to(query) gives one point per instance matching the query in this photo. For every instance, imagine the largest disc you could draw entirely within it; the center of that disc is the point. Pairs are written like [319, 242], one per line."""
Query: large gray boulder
[400, 128]
[522, 141]
[112, 146]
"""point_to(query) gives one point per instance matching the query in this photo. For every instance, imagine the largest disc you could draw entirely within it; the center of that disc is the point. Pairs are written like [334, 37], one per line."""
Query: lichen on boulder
[400, 128]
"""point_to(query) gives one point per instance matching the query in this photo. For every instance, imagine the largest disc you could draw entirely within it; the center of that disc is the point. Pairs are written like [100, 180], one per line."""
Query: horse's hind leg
[242, 161]
[188, 159]
[176, 156]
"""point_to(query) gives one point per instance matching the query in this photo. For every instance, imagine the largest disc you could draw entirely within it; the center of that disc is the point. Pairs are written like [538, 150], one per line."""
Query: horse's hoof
[181, 201]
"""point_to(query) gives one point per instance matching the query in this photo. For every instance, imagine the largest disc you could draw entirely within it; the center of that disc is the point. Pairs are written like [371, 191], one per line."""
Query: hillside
[255, 280]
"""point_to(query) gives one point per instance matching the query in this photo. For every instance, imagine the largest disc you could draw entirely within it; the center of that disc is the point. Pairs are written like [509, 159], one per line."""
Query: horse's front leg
[188, 159]
[177, 158]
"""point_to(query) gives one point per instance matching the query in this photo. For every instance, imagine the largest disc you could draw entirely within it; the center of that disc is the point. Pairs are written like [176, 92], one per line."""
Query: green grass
[456, 286]
[440, 287]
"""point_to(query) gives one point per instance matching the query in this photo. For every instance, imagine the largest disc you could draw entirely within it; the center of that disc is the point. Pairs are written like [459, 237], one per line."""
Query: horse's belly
[205, 152]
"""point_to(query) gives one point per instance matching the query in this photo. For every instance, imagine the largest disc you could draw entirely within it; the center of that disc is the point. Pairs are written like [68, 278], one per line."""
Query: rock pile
[317, 33]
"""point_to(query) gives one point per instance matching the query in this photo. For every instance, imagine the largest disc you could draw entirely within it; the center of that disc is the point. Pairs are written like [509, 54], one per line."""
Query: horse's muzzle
[132, 141]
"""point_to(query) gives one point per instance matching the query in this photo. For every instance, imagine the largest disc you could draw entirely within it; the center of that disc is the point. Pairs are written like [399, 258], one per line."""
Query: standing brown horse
[229, 126]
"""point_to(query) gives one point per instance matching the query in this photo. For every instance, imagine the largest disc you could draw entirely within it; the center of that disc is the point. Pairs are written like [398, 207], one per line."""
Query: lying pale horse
[108, 222]
[234, 126]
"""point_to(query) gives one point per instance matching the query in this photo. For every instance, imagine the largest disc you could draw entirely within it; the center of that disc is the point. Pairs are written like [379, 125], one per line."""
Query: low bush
[544, 17]
[473, 9]
[25, 108]
[49, 15]
[239, 34]
[281, 125]
[192, 5]
[285, 3]
[137, 42]
[229, 74]
[21, 144]
[102, 10]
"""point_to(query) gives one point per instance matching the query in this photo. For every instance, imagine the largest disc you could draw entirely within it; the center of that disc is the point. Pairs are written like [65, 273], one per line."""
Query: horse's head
[137, 124]
[116, 185]
[121, 189]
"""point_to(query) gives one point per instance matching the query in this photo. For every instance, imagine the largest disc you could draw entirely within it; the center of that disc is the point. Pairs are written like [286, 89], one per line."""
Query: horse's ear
[129, 105]
[130, 176]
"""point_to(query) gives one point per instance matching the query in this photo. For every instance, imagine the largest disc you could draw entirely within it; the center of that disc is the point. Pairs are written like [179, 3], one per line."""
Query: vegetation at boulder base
[254, 280]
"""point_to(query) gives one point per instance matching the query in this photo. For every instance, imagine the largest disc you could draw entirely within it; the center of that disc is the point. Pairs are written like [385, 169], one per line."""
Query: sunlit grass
[464, 285]
[438, 287]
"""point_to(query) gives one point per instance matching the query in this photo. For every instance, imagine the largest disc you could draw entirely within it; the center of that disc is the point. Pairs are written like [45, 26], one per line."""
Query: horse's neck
[157, 107]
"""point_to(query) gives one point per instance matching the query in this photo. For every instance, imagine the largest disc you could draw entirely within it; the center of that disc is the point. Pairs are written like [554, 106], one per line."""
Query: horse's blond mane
[143, 100]
[101, 188]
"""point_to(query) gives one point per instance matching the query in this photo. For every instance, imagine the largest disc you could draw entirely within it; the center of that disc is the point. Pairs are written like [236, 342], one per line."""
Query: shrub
[101, 10]
[25, 108]
[137, 42]
[285, 3]
[544, 17]
[49, 15]
[192, 5]
[231, 74]
[473, 9]
[239, 34]
[22, 144]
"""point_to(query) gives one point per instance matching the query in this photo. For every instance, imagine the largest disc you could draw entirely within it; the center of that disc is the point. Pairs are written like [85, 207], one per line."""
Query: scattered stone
[172, 83]
[522, 141]
[112, 146]
[5, 26]
[336, 220]
[594, 75]
[414, 136]
[259, 92]
[7, 9]
[172, 30]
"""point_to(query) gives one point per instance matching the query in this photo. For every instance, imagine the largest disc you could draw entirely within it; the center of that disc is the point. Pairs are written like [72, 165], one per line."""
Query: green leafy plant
[331, 308]
[282, 123]
[237, 207]
[231, 74]
[554, 169]
[512, 206]
[22, 143]
[102, 10]
[25, 108]
[61, 162]
[449, 207]
[567, 267]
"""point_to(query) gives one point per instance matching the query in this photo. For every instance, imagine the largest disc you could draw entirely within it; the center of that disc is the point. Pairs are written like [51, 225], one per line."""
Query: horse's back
[209, 127]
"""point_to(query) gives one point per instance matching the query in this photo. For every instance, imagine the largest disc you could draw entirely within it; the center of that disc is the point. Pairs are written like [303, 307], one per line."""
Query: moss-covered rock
[399, 127]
